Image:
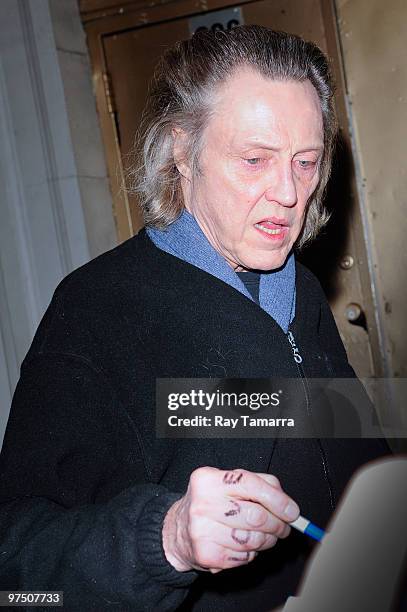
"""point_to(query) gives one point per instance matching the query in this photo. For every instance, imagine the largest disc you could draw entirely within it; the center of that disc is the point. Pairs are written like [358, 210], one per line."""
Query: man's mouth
[267, 230]
[273, 226]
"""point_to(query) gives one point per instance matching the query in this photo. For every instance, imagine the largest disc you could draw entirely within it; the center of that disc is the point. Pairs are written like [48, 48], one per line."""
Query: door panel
[131, 58]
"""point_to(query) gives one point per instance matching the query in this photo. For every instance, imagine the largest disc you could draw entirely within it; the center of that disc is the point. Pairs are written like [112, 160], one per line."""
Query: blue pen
[305, 526]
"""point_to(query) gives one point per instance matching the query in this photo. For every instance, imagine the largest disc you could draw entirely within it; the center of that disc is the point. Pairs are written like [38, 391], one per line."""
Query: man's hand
[225, 518]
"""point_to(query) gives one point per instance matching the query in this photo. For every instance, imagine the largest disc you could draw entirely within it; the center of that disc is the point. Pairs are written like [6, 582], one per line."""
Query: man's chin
[266, 263]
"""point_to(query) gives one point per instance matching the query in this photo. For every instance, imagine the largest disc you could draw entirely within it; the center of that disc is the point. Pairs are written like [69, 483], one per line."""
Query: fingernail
[291, 511]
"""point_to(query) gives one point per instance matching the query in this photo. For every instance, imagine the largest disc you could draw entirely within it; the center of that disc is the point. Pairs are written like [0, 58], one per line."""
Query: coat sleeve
[55, 534]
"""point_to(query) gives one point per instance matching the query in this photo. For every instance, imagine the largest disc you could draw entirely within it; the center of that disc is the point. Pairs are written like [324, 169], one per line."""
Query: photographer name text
[243, 420]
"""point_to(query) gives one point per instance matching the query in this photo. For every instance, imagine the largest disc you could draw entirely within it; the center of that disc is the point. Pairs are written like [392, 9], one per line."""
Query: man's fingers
[213, 556]
[242, 540]
[234, 559]
[241, 484]
[236, 534]
[242, 514]
[270, 478]
[231, 515]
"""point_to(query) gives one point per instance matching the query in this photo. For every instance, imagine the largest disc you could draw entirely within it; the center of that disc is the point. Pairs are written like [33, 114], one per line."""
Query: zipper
[298, 361]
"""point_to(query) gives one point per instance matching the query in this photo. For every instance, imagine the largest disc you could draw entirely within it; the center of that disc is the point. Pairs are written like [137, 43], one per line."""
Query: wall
[93, 182]
[55, 209]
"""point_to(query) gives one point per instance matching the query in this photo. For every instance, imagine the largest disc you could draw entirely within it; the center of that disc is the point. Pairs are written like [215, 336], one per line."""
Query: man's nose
[283, 190]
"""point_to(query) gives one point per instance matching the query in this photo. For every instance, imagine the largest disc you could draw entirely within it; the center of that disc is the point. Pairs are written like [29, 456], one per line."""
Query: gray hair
[181, 95]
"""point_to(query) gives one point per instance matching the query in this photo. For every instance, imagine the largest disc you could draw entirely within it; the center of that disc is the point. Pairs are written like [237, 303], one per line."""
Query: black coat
[85, 484]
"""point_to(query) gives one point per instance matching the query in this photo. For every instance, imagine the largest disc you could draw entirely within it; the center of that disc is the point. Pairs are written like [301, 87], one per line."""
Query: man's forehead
[245, 81]
[250, 107]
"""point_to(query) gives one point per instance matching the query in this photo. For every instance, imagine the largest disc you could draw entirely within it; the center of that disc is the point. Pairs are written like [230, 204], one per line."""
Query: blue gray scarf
[184, 239]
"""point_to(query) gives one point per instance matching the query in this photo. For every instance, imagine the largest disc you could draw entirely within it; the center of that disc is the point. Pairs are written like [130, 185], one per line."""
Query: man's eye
[253, 161]
[306, 164]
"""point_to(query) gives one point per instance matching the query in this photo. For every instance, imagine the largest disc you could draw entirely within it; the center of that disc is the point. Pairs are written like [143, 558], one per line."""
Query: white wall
[52, 175]
[87, 147]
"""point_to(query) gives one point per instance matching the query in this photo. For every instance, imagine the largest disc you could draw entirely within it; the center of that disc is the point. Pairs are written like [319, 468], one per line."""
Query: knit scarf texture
[185, 239]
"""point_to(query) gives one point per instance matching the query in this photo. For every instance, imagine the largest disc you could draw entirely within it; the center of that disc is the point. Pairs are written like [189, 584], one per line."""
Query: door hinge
[109, 93]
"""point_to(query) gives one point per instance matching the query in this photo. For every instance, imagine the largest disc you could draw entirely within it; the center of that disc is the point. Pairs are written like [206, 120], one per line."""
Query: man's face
[259, 165]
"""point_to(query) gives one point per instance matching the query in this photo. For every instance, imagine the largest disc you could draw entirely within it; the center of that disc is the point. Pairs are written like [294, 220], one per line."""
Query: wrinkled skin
[225, 518]
[260, 160]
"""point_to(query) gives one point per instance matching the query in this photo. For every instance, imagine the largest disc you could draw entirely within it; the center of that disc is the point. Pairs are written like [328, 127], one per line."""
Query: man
[237, 150]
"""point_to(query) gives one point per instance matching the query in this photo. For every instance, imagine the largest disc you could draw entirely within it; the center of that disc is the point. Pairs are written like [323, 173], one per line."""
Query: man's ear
[179, 138]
